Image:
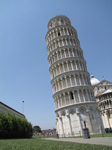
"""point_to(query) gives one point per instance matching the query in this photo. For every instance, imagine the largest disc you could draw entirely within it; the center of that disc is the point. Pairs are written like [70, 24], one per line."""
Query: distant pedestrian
[57, 134]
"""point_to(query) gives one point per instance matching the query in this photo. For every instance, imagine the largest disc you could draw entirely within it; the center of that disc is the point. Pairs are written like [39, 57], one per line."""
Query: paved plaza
[99, 141]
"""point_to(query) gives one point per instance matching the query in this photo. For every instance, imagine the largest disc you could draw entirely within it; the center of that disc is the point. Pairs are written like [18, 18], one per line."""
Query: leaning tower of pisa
[75, 104]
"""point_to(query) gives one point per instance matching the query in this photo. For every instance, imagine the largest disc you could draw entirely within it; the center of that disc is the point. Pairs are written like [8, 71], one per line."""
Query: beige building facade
[8, 110]
[75, 104]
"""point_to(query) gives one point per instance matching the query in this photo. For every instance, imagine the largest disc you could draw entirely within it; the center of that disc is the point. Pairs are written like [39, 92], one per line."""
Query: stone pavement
[99, 141]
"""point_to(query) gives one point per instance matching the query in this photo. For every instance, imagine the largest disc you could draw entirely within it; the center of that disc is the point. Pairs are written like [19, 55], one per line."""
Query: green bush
[13, 127]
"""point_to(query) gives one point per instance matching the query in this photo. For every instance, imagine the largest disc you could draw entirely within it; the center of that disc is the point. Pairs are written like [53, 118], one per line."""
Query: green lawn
[100, 135]
[41, 144]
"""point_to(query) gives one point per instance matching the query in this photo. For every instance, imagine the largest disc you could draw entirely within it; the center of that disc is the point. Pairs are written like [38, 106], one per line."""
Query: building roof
[94, 81]
[104, 92]
[107, 91]
[104, 82]
[12, 109]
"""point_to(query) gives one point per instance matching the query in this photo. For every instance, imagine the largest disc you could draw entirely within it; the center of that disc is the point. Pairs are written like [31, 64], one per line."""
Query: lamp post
[22, 107]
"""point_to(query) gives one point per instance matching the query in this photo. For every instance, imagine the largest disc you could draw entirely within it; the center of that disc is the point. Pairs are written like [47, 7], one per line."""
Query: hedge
[14, 127]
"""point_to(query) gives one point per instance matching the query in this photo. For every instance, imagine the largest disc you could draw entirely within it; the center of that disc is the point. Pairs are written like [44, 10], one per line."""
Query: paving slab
[99, 141]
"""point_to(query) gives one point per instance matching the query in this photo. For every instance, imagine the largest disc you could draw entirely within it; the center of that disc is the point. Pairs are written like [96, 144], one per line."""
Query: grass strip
[41, 144]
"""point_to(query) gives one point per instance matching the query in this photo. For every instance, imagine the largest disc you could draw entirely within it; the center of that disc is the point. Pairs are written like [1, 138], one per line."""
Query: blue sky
[24, 69]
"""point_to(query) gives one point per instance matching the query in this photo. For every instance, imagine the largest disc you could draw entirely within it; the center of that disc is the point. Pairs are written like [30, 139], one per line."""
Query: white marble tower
[74, 100]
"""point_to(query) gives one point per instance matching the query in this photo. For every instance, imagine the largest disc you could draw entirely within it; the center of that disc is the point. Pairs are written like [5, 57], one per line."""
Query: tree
[37, 129]
[14, 127]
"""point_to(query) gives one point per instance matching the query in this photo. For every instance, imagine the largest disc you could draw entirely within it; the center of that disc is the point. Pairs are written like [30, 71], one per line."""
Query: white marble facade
[70, 120]
[74, 100]
[103, 93]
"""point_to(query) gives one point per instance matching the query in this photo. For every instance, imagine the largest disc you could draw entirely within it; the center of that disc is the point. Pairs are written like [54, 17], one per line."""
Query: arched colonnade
[67, 81]
[73, 97]
[64, 53]
[66, 66]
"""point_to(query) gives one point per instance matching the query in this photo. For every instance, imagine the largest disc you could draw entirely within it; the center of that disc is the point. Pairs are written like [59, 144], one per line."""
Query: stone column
[78, 95]
[76, 65]
[63, 31]
[71, 65]
[59, 69]
[75, 80]
[69, 122]
[108, 119]
[55, 86]
[68, 53]
[87, 95]
[62, 42]
[66, 81]
[50, 74]
[82, 79]
[63, 84]
[56, 33]
[90, 95]
[67, 66]
[76, 53]
[90, 121]
[81, 96]
[59, 43]
[79, 120]
[64, 53]
[57, 123]
[70, 81]
[69, 97]
[61, 100]
[53, 34]
[63, 67]
[86, 80]
[71, 42]
[72, 52]
[84, 96]
[83, 66]
[55, 70]
[58, 84]
[55, 103]
[66, 41]
[61, 121]
[64, 99]
[79, 66]
[111, 118]
[58, 102]
[67, 31]
[61, 56]
[103, 119]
